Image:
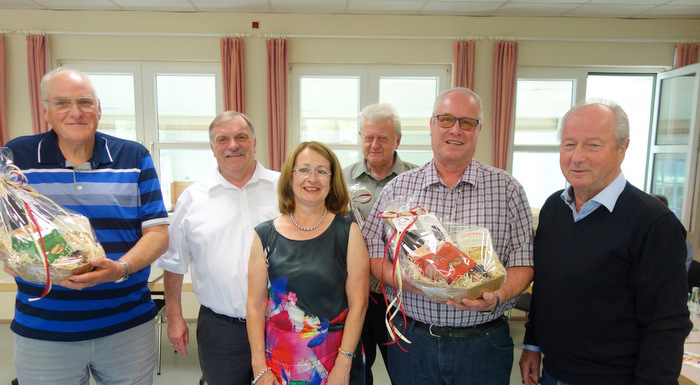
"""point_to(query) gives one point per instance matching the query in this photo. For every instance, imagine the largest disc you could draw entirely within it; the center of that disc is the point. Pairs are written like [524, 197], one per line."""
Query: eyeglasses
[65, 104]
[447, 121]
[306, 172]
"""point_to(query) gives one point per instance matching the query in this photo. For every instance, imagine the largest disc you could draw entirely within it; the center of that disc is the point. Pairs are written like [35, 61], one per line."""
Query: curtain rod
[372, 37]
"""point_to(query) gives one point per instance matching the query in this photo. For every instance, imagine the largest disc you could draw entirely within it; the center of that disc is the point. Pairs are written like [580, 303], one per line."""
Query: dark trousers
[486, 358]
[224, 351]
[374, 333]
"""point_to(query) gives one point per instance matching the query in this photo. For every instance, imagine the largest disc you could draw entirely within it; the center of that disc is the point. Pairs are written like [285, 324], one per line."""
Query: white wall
[649, 43]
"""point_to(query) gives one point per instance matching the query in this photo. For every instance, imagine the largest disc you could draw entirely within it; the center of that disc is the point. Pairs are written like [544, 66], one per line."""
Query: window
[165, 106]
[673, 155]
[327, 99]
[545, 95]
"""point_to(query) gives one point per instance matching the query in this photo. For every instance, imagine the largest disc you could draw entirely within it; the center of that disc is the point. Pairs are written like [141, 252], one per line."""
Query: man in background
[380, 133]
[211, 231]
[609, 297]
[101, 322]
[467, 341]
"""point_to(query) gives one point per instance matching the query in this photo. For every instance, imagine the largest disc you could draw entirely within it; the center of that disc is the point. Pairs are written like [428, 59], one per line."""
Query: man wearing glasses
[466, 341]
[380, 132]
[100, 322]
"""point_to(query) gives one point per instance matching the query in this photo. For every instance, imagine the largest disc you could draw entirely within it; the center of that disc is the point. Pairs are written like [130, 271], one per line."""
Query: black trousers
[374, 333]
[224, 351]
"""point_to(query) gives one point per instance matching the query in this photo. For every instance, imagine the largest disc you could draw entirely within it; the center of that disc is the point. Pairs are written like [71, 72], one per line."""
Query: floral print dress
[307, 305]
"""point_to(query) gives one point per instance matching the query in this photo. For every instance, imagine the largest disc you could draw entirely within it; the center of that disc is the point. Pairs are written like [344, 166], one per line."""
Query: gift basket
[39, 240]
[359, 194]
[444, 264]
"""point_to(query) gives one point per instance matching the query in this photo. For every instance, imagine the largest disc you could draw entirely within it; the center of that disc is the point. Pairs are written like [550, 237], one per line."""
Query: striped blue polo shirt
[119, 192]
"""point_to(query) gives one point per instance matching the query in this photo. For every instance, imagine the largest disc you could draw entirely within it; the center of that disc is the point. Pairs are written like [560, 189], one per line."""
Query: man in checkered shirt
[467, 341]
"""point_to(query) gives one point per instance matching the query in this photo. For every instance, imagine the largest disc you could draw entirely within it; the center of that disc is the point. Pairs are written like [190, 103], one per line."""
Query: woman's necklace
[325, 211]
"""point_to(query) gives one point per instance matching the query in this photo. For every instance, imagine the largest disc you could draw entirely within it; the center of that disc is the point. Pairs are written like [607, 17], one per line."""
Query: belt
[206, 310]
[453, 331]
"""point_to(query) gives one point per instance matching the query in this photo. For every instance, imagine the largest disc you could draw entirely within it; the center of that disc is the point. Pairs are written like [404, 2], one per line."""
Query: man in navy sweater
[609, 298]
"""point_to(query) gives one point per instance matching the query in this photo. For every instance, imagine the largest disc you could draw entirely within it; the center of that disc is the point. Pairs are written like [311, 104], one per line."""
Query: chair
[160, 304]
[523, 302]
[693, 275]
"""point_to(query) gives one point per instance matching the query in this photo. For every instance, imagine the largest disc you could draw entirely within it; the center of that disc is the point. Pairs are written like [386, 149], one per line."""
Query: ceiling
[636, 9]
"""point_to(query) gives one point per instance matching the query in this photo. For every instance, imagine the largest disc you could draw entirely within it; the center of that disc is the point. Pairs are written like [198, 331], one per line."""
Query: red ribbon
[47, 287]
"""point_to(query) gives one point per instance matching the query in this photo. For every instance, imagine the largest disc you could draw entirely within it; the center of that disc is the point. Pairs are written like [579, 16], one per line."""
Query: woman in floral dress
[308, 279]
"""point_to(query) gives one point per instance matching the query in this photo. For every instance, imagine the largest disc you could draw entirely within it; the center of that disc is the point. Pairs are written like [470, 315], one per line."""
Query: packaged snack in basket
[444, 265]
[39, 240]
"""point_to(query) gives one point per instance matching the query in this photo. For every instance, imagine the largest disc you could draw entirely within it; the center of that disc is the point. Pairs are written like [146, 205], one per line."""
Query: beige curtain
[505, 63]
[38, 64]
[686, 54]
[277, 64]
[464, 64]
[233, 71]
[4, 132]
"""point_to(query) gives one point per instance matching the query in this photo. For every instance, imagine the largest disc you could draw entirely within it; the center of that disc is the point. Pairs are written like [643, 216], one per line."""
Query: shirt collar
[469, 175]
[216, 179]
[608, 197]
[50, 153]
[396, 169]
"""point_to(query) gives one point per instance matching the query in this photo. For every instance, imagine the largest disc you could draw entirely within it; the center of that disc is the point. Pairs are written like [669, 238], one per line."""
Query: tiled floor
[178, 370]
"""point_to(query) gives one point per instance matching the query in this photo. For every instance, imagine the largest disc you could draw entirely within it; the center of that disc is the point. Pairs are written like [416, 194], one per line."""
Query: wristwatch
[498, 302]
[126, 272]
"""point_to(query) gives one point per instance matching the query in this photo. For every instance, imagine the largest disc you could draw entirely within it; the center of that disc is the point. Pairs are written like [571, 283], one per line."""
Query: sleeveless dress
[307, 305]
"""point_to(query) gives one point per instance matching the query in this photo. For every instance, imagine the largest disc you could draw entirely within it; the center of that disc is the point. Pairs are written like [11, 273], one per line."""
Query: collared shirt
[358, 173]
[484, 196]
[118, 190]
[607, 197]
[212, 230]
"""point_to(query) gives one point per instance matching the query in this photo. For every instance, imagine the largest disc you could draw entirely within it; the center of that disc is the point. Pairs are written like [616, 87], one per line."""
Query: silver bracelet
[260, 375]
[498, 302]
[346, 354]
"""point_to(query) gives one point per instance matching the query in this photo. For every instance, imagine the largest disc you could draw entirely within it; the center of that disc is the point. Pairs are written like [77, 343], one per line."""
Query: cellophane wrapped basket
[359, 194]
[39, 240]
[455, 264]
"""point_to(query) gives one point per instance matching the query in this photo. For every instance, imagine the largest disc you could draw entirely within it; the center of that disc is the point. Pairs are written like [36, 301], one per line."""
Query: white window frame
[369, 75]
[580, 76]
[144, 74]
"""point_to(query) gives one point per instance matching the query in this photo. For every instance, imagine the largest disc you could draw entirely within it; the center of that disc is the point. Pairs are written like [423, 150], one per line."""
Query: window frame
[369, 76]
[146, 105]
[579, 75]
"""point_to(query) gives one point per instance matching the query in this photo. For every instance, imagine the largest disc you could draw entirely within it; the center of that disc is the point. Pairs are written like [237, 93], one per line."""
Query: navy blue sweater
[610, 291]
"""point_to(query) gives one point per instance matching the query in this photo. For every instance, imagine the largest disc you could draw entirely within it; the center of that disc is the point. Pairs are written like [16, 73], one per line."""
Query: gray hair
[463, 90]
[45, 81]
[380, 111]
[226, 117]
[622, 123]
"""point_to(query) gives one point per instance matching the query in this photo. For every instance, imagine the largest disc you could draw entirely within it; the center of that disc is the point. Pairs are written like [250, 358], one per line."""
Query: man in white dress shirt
[212, 230]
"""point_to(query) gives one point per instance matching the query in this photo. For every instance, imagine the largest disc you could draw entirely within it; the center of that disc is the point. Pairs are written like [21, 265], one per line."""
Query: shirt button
[80, 187]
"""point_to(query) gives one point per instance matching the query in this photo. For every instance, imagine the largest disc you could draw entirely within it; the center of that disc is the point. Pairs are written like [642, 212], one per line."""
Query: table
[690, 375]
[155, 282]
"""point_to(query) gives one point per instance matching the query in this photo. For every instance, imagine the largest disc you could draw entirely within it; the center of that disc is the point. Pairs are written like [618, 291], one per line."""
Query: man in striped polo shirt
[98, 322]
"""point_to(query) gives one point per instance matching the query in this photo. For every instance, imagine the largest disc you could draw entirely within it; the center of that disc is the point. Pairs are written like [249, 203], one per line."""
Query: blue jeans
[126, 358]
[486, 359]
[549, 380]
